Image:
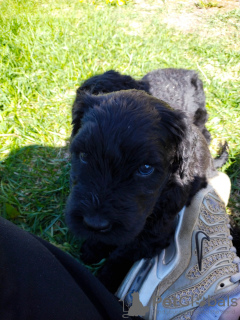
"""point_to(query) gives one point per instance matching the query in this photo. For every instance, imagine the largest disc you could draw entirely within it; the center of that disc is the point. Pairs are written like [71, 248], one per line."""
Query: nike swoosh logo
[199, 237]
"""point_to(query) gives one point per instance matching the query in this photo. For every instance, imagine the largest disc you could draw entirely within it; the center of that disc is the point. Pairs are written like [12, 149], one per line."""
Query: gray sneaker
[197, 276]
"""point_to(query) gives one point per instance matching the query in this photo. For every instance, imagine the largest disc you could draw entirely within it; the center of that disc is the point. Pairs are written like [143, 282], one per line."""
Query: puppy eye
[145, 170]
[83, 157]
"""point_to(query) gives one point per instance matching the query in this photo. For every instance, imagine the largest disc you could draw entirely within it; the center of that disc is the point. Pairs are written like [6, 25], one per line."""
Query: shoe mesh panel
[208, 262]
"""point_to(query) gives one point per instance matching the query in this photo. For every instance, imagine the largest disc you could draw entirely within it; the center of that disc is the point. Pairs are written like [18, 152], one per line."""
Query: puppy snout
[97, 224]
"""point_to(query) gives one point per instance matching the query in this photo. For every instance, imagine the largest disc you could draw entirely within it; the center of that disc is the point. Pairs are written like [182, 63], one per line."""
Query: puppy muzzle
[97, 224]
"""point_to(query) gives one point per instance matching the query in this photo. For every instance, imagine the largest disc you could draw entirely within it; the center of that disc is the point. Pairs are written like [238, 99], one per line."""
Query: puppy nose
[97, 224]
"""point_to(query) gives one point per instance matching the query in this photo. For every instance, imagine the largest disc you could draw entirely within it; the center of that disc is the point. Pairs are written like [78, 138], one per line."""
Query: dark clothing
[40, 282]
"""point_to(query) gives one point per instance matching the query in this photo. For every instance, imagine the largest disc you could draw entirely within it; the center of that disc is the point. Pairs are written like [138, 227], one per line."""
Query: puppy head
[124, 147]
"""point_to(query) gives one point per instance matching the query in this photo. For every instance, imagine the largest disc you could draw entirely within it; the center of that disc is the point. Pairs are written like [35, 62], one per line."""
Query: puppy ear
[179, 138]
[82, 104]
[185, 149]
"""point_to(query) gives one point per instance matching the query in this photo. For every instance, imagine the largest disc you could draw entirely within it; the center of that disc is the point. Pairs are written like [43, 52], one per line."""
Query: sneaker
[197, 276]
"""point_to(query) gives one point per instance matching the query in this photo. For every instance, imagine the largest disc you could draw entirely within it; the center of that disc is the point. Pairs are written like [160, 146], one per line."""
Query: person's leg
[38, 281]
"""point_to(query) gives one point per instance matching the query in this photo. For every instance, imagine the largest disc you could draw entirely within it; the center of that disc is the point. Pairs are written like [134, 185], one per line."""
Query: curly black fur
[183, 90]
[124, 214]
[180, 88]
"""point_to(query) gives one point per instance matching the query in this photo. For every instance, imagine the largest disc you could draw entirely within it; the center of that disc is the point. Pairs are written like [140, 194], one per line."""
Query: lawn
[47, 48]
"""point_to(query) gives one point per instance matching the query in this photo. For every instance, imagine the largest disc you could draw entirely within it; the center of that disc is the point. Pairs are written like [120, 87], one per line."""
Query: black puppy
[180, 88]
[135, 163]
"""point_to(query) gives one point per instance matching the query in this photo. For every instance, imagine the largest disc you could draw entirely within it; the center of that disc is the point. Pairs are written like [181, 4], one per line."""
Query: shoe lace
[236, 277]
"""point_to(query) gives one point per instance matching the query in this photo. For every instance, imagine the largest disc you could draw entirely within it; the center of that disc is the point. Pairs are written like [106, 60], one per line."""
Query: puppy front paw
[112, 273]
[87, 255]
[108, 278]
[94, 253]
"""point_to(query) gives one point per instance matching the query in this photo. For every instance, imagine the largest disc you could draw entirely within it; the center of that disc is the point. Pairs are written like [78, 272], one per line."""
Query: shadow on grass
[33, 192]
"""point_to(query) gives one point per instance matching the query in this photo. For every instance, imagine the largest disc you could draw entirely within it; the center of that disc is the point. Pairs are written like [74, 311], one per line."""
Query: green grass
[207, 4]
[49, 47]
